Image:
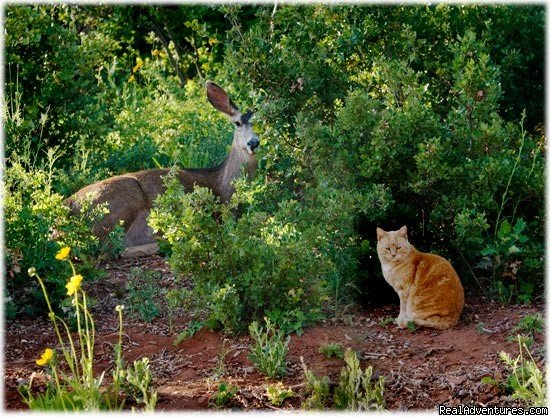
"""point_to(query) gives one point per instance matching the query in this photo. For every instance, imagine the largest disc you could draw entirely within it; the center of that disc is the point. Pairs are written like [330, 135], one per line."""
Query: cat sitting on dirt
[430, 292]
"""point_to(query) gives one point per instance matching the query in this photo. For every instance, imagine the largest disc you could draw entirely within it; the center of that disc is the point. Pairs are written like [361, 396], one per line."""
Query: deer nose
[253, 143]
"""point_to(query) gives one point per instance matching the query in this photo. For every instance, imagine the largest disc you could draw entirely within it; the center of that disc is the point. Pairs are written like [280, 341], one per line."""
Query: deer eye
[238, 124]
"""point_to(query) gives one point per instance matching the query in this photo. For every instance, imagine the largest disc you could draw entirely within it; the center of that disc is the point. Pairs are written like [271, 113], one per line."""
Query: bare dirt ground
[422, 369]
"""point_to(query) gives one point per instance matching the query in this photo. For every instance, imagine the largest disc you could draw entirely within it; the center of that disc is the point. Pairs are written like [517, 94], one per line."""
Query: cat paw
[401, 322]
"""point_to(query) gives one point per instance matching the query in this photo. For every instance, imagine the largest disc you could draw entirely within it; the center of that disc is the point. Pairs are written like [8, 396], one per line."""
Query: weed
[356, 391]
[480, 328]
[220, 369]
[531, 324]
[411, 326]
[142, 290]
[526, 381]
[139, 378]
[384, 322]
[269, 350]
[317, 388]
[332, 350]
[277, 393]
[78, 389]
[225, 393]
[527, 340]
[191, 330]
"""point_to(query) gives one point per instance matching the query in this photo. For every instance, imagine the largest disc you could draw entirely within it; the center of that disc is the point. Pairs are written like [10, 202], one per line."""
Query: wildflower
[119, 308]
[132, 79]
[139, 64]
[32, 272]
[46, 357]
[63, 253]
[74, 284]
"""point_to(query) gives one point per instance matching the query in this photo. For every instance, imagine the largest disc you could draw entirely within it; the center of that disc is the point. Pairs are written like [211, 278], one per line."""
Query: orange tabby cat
[430, 292]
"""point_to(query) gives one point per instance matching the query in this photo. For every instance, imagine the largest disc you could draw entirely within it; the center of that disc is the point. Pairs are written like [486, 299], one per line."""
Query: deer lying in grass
[130, 196]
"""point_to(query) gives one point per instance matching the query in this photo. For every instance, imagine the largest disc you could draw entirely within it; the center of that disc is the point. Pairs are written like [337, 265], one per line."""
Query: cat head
[393, 245]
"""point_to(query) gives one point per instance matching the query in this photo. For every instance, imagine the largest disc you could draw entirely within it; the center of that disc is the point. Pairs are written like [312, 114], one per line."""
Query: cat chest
[393, 275]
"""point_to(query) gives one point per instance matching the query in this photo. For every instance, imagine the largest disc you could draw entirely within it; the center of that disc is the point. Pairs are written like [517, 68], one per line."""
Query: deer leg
[139, 233]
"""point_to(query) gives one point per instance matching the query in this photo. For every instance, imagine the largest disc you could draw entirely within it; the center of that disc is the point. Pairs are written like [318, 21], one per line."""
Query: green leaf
[505, 229]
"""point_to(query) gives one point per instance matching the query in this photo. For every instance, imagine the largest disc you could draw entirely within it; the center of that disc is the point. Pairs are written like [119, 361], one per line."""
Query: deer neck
[231, 168]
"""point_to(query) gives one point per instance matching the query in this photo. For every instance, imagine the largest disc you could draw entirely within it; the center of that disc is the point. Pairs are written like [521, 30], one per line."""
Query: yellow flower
[139, 64]
[63, 253]
[46, 357]
[132, 79]
[74, 284]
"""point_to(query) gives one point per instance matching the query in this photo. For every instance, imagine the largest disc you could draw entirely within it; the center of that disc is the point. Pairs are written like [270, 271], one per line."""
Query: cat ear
[403, 231]
[380, 233]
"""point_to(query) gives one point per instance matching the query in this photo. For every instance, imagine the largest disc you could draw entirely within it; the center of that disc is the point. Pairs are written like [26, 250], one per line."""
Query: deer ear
[220, 99]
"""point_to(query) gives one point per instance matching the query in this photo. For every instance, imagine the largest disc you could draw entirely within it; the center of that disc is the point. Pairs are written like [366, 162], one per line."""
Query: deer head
[244, 139]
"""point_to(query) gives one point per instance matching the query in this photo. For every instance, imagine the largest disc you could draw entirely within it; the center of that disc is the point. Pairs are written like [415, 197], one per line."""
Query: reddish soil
[422, 369]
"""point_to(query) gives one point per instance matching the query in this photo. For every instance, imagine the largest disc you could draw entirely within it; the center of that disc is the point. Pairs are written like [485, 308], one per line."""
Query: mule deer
[130, 196]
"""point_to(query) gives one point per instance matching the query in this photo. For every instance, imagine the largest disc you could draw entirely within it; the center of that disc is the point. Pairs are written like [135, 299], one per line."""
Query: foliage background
[429, 116]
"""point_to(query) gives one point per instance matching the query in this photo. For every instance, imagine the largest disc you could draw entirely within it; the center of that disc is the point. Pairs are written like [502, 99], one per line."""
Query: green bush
[37, 224]
[248, 267]
[421, 129]
[430, 116]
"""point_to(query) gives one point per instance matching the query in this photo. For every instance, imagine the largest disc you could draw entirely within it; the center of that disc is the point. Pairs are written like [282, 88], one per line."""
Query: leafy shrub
[362, 125]
[37, 225]
[162, 126]
[243, 268]
[422, 128]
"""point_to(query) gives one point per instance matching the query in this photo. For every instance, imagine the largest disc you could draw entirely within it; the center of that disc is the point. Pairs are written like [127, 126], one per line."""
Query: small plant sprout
[526, 380]
[357, 391]
[411, 326]
[332, 350]
[224, 394]
[531, 324]
[317, 389]
[269, 349]
[384, 322]
[277, 393]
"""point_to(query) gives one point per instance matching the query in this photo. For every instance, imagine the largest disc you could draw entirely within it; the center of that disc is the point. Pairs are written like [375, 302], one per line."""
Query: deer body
[130, 196]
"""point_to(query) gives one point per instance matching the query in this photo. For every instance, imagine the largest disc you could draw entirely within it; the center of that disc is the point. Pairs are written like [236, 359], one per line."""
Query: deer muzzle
[253, 144]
